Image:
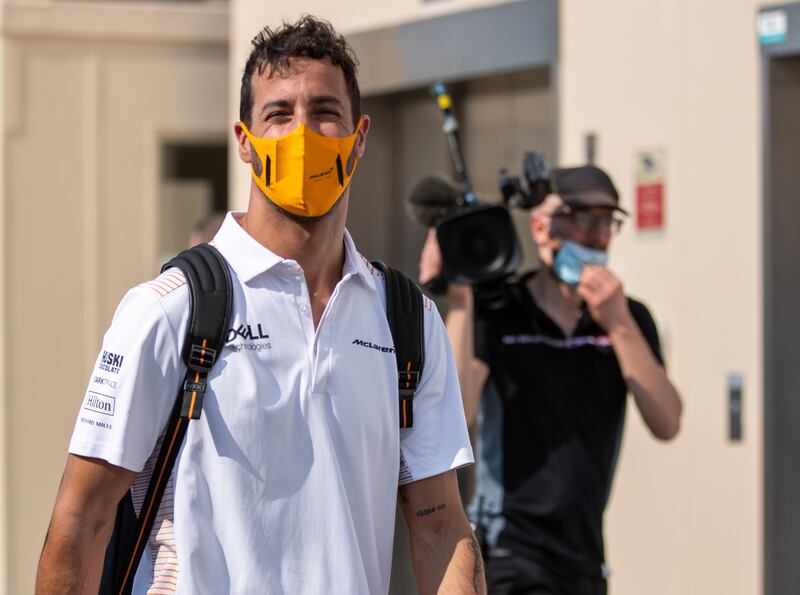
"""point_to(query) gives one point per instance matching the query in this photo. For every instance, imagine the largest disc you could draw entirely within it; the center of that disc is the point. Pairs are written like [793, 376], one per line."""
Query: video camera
[478, 242]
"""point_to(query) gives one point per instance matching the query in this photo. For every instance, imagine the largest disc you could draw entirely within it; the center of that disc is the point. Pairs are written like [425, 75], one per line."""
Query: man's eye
[273, 115]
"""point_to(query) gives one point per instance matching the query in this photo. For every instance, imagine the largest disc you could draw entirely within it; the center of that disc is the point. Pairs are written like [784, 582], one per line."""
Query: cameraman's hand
[430, 260]
[430, 265]
[602, 292]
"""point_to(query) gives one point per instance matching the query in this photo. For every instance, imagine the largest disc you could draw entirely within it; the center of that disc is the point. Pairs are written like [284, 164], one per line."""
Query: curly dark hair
[309, 37]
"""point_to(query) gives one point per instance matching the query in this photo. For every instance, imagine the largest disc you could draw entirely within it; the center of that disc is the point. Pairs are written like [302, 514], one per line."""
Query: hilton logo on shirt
[100, 403]
[110, 362]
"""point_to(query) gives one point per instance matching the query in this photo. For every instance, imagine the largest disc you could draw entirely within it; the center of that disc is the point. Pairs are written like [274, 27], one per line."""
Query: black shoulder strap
[404, 311]
[210, 292]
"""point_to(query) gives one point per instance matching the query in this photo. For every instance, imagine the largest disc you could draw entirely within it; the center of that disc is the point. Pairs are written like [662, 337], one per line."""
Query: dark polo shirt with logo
[551, 422]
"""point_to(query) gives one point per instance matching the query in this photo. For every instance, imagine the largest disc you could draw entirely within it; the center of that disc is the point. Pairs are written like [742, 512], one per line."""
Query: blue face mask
[571, 258]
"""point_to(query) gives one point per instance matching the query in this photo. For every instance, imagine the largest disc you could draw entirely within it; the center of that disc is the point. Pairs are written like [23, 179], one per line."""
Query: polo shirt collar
[248, 258]
[355, 264]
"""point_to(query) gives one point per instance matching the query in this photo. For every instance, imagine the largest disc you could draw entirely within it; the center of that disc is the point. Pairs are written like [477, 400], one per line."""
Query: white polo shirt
[287, 483]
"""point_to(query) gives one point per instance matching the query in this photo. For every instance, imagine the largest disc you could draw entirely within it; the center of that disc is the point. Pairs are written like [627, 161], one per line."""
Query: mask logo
[571, 258]
[321, 175]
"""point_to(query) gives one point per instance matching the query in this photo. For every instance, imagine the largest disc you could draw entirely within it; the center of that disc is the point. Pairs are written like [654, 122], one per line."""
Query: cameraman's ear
[361, 135]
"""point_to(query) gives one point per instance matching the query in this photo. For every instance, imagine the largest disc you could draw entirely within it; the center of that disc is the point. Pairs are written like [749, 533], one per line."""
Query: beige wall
[684, 76]
[3, 338]
[90, 91]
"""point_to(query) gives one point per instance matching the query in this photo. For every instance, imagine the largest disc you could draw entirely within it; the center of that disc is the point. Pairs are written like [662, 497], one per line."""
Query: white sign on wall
[772, 26]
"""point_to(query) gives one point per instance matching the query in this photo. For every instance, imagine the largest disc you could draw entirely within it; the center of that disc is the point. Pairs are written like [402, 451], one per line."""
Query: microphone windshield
[431, 198]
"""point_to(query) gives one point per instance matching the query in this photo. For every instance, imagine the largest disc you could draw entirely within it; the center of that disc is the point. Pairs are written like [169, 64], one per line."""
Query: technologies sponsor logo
[362, 343]
[100, 403]
[110, 362]
[105, 382]
[250, 338]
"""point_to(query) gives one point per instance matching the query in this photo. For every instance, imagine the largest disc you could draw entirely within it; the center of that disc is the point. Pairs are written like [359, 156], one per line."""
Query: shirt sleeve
[647, 325]
[439, 440]
[132, 386]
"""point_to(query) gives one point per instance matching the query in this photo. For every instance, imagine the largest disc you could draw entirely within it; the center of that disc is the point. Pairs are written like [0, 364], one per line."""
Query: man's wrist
[622, 327]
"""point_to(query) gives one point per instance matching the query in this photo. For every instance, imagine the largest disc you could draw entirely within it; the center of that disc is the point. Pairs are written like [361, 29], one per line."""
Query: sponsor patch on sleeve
[98, 410]
[110, 362]
[100, 403]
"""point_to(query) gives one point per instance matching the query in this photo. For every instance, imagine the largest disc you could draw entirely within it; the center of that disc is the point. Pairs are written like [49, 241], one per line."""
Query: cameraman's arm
[657, 399]
[472, 372]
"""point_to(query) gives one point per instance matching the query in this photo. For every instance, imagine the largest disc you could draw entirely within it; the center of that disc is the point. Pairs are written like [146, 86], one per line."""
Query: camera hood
[478, 244]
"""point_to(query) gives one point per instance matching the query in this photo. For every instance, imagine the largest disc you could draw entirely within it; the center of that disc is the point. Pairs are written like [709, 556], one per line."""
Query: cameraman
[549, 372]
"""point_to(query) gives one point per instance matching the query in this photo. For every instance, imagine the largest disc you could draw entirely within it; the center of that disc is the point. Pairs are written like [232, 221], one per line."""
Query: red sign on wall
[650, 174]
[650, 206]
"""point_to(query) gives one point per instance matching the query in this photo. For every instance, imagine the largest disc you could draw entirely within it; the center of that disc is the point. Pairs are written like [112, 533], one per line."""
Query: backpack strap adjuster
[193, 393]
[201, 357]
[408, 381]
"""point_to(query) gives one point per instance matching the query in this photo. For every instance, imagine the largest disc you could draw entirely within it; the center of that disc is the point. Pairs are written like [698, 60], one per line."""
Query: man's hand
[444, 552]
[602, 292]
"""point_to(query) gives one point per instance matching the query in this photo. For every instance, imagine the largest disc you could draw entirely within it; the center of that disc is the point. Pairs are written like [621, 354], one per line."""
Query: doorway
[194, 183]
[781, 92]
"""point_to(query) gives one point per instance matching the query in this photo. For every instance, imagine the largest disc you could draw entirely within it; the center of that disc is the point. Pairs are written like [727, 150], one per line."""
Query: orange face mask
[303, 172]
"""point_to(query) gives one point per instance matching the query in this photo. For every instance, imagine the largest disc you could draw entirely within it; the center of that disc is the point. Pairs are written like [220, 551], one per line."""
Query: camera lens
[478, 244]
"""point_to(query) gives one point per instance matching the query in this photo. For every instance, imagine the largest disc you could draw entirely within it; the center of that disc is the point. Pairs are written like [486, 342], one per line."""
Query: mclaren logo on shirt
[110, 362]
[250, 338]
[368, 345]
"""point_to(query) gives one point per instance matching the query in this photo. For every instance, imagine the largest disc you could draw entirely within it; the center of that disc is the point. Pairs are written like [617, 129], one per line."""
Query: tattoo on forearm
[477, 565]
[429, 511]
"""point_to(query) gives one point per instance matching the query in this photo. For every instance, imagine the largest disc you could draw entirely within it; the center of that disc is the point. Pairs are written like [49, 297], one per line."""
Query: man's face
[310, 92]
[591, 227]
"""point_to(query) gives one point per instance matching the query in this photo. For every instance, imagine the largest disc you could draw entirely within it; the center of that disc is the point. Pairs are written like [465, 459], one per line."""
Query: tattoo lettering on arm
[477, 565]
[430, 510]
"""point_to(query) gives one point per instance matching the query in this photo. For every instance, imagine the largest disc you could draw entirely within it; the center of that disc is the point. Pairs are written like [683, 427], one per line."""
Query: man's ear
[361, 135]
[242, 142]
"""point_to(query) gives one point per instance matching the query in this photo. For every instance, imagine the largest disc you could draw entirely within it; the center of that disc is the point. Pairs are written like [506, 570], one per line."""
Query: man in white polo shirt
[287, 483]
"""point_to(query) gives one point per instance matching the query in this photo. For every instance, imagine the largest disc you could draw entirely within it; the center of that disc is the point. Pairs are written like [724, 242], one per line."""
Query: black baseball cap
[584, 187]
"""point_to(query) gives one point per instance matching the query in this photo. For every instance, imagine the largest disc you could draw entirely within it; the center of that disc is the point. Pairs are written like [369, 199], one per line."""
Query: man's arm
[655, 396]
[81, 525]
[444, 552]
[472, 372]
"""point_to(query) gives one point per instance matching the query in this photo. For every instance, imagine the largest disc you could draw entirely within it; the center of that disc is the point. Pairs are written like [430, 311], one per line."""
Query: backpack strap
[404, 311]
[210, 293]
